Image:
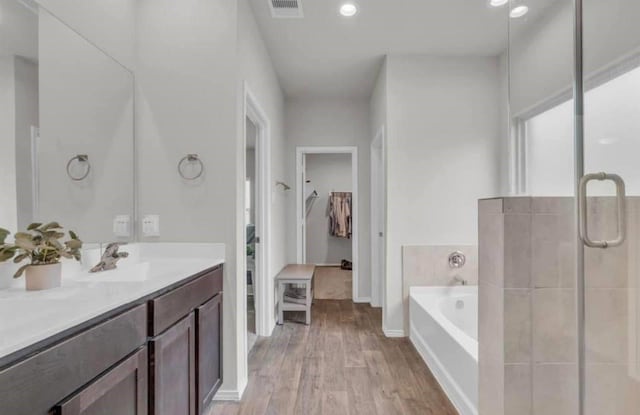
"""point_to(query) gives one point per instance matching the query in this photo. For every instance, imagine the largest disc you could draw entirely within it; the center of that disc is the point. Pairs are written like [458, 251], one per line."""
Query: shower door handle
[621, 208]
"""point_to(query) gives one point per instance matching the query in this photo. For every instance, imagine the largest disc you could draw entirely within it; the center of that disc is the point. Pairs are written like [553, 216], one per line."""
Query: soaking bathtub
[444, 330]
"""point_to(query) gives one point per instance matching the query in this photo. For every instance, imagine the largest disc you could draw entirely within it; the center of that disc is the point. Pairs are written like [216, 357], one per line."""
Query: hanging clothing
[339, 212]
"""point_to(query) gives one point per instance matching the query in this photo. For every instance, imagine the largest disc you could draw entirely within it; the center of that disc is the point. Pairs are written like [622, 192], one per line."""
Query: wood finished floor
[341, 364]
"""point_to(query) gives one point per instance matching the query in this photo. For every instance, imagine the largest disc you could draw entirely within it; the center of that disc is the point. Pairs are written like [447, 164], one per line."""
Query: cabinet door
[209, 352]
[172, 371]
[122, 390]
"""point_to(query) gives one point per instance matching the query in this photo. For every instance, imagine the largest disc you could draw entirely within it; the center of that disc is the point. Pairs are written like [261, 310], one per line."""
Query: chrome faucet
[459, 280]
[110, 257]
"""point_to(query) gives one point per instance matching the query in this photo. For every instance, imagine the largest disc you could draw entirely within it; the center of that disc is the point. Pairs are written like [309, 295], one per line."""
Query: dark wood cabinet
[173, 370]
[159, 355]
[123, 390]
[37, 384]
[209, 350]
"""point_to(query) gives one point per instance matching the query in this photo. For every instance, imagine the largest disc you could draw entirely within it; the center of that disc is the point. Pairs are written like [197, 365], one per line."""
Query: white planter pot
[43, 277]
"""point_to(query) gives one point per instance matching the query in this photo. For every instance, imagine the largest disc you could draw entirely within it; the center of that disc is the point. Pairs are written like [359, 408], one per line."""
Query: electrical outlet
[151, 225]
[122, 226]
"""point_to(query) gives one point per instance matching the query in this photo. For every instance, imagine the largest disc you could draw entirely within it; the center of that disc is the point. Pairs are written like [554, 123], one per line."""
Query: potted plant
[7, 269]
[42, 244]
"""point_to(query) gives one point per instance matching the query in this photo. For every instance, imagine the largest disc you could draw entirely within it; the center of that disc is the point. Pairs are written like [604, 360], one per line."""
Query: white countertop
[29, 317]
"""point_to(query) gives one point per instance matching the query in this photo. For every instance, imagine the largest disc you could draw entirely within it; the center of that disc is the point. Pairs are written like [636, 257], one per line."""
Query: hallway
[341, 364]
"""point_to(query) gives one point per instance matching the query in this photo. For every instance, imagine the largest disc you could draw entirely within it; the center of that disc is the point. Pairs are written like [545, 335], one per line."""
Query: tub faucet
[459, 280]
[110, 257]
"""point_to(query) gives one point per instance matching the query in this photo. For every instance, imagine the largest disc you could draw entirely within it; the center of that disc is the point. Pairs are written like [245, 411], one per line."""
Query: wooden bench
[299, 275]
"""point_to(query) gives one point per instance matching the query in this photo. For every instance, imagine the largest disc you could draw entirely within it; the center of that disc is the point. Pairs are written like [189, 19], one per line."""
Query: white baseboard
[394, 333]
[451, 389]
[362, 300]
[234, 395]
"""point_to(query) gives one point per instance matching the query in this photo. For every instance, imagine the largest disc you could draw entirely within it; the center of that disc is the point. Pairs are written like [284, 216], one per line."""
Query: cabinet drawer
[167, 309]
[37, 384]
[123, 390]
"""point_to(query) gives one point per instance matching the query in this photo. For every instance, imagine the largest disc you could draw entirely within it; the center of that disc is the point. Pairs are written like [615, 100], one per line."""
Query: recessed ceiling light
[498, 3]
[519, 11]
[348, 10]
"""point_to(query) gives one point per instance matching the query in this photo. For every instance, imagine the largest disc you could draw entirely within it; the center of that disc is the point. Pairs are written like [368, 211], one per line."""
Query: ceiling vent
[283, 9]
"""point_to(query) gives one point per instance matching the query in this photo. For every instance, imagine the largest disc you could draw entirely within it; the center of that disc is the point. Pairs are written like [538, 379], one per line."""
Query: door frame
[264, 287]
[378, 219]
[301, 152]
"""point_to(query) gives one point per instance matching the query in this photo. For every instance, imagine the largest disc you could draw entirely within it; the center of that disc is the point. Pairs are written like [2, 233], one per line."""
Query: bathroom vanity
[145, 339]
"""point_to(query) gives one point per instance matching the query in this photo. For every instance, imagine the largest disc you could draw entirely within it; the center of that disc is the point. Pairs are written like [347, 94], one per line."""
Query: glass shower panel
[611, 50]
[541, 358]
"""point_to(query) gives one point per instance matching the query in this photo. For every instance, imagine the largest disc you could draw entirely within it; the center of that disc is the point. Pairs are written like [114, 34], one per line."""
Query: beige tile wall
[428, 265]
[528, 345]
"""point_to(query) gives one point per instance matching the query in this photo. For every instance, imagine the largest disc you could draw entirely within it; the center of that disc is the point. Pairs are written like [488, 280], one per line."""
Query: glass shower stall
[570, 230]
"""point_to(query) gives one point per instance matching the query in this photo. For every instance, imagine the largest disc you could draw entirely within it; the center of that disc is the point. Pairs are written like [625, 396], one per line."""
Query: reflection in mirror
[67, 130]
[19, 115]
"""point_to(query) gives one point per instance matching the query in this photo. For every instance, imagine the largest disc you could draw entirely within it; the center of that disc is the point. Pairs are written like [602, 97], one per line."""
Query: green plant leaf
[53, 235]
[57, 245]
[20, 271]
[25, 241]
[20, 258]
[74, 244]
[33, 226]
[65, 254]
[73, 235]
[7, 253]
[3, 235]
[51, 225]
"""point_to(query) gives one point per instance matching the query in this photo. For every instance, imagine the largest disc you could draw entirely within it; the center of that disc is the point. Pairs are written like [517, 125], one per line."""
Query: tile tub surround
[428, 266]
[527, 327]
[36, 316]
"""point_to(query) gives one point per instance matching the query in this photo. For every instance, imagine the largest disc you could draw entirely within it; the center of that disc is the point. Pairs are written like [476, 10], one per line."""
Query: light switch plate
[151, 225]
[122, 226]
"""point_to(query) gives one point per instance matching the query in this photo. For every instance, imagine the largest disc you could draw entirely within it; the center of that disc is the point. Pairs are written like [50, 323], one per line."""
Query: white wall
[186, 102]
[328, 173]
[332, 122]
[443, 154]
[8, 193]
[109, 25]
[86, 107]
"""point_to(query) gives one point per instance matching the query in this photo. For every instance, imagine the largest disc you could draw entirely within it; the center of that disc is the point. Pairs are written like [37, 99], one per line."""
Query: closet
[328, 223]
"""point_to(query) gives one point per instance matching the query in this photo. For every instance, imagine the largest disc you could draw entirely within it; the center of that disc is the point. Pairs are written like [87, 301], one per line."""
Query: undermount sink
[125, 273]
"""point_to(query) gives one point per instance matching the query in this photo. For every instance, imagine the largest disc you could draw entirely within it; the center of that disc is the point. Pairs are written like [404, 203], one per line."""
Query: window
[612, 140]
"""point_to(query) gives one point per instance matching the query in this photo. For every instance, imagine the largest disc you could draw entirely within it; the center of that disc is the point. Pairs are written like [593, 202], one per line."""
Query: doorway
[251, 131]
[378, 220]
[260, 314]
[327, 176]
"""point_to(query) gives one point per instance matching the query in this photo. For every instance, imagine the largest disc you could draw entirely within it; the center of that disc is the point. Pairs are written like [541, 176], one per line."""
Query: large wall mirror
[66, 128]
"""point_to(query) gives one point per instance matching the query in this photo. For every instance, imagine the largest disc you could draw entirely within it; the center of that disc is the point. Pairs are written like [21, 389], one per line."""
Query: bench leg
[309, 301]
[280, 303]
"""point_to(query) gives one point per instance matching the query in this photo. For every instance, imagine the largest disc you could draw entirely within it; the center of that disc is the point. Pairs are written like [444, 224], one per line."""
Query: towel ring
[81, 158]
[190, 158]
